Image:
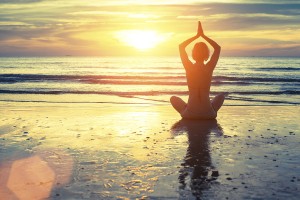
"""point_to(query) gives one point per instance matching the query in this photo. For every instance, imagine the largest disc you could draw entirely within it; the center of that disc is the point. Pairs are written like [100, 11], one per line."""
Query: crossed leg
[218, 101]
[178, 104]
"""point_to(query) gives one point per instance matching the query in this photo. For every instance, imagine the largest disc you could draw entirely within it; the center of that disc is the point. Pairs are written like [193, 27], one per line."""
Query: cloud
[252, 22]
[281, 51]
[292, 51]
[231, 8]
[26, 34]
[19, 1]
[82, 22]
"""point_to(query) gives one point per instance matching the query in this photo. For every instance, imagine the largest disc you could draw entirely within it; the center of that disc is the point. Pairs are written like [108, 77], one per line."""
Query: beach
[103, 128]
[126, 151]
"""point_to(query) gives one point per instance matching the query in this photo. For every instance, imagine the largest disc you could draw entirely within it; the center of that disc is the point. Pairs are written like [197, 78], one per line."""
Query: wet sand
[97, 151]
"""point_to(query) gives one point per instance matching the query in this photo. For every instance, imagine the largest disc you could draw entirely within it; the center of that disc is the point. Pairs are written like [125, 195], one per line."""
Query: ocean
[145, 80]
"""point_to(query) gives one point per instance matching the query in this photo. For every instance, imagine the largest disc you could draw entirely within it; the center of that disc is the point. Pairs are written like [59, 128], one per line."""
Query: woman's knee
[173, 98]
[219, 98]
[177, 103]
[218, 101]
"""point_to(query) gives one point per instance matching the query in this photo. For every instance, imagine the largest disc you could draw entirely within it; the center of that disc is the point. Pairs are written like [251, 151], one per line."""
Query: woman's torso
[199, 81]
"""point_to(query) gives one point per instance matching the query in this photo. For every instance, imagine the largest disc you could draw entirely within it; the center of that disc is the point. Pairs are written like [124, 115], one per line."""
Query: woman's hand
[200, 30]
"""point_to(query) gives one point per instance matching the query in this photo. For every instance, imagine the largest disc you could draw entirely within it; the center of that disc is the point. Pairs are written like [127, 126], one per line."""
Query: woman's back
[199, 81]
[199, 76]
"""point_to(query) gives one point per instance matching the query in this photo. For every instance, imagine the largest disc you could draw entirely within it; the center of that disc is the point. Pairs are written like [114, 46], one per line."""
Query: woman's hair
[200, 52]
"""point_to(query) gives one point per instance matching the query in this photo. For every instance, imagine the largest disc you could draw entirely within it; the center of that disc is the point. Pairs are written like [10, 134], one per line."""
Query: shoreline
[110, 100]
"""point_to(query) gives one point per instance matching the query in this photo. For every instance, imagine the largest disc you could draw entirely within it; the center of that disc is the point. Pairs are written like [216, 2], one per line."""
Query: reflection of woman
[197, 164]
[199, 75]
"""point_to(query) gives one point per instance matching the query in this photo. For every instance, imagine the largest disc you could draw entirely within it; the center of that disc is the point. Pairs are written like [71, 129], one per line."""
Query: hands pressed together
[200, 30]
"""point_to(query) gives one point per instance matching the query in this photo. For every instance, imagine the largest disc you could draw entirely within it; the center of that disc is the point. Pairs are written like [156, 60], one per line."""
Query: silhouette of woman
[199, 76]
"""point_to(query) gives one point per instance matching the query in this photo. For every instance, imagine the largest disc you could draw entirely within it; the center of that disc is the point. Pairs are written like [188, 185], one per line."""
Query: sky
[114, 27]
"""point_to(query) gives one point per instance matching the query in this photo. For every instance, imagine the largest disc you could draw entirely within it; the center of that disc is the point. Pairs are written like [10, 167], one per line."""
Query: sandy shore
[105, 151]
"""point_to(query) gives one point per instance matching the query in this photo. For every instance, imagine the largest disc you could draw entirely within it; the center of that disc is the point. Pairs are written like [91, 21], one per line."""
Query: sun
[141, 39]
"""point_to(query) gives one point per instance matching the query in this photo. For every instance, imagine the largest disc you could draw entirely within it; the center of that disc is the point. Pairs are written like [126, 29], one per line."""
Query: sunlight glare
[141, 39]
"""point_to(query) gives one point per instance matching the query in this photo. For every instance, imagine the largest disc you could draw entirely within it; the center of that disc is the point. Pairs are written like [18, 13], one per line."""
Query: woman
[199, 76]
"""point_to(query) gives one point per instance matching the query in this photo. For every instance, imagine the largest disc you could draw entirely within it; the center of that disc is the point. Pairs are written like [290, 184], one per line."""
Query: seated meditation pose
[199, 76]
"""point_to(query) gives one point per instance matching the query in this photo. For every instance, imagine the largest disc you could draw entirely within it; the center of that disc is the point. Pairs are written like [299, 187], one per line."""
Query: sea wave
[281, 69]
[248, 81]
[148, 96]
[137, 80]
[144, 93]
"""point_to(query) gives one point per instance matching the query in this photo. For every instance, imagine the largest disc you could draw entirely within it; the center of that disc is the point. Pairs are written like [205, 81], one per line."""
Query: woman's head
[200, 52]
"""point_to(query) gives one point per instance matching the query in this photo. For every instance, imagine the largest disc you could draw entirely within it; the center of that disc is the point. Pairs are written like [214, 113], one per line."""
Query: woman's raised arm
[216, 54]
[183, 55]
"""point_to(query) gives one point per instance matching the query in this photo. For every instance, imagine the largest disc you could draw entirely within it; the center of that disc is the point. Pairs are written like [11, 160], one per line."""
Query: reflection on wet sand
[197, 172]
